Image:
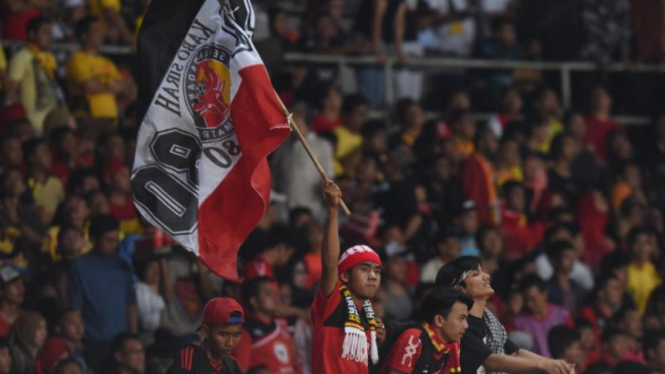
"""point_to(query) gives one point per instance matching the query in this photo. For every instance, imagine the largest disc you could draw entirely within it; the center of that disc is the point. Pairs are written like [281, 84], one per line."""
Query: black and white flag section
[210, 117]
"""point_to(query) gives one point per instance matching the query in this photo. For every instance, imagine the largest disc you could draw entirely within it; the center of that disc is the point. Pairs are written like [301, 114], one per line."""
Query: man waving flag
[209, 118]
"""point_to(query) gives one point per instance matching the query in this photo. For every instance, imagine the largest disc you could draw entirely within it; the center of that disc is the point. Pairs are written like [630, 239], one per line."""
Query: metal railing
[565, 68]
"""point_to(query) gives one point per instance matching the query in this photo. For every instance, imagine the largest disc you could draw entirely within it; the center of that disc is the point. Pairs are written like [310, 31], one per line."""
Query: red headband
[357, 255]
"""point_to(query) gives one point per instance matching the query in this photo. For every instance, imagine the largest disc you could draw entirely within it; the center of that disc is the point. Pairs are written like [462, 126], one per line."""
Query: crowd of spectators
[563, 206]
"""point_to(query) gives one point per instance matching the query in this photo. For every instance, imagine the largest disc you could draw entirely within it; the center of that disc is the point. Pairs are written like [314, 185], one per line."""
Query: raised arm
[330, 250]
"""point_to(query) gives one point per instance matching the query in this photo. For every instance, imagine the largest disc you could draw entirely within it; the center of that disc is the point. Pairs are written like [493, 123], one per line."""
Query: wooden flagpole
[309, 151]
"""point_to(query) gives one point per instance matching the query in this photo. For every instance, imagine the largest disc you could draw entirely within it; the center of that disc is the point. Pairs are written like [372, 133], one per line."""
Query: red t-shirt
[329, 315]
[16, 24]
[123, 212]
[259, 268]
[4, 327]
[270, 345]
[322, 124]
[596, 135]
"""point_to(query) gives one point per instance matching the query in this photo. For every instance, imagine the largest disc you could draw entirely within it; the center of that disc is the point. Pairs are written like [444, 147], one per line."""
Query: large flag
[209, 117]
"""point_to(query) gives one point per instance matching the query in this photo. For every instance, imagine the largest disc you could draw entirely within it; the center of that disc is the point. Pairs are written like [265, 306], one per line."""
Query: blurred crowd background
[564, 205]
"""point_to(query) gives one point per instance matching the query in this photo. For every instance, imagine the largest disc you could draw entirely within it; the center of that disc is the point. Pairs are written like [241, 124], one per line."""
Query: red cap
[223, 311]
[355, 256]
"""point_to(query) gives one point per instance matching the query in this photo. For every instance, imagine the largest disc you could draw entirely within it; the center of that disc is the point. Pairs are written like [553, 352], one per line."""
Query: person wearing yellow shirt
[349, 140]
[549, 108]
[47, 190]
[643, 277]
[108, 11]
[31, 75]
[95, 77]
[3, 69]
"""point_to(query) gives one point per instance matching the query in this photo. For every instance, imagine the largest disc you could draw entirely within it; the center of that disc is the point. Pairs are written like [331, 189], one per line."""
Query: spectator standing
[5, 357]
[330, 116]
[448, 248]
[349, 141]
[599, 123]
[101, 288]
[47, 190]
[149, 300]
[643, 277]
[477, 176]
[265, 341]
[94, 78]
[32, 75]
[565, 344]
[109, 11]
[563, 290]
[398, 304]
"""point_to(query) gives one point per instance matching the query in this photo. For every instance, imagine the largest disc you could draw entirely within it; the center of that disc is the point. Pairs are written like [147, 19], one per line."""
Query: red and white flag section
[200, 172]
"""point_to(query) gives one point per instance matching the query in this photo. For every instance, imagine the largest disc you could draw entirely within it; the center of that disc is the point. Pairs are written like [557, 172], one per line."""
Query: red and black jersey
[329, 315]
[269, 345]
[415, 352]
[192, 359]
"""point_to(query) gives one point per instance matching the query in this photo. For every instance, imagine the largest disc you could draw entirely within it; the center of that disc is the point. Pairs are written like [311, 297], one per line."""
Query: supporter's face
[567, 261]
[507, 34]
[223, 339]
[550, 103]
[379, 142]
[41, 333]
[77, 210]
[489, 143]
[132, 356]
[535, 301]
[14, 292]
[336, 9]
[14, 184]
[108, 242]
[577, 126]
[358, 117]
[300, 275]
[515, 303]
[602, 100]
[99, 204]
[71, 327]
[396, 269]
[24, 131]
[363, 280]
[633, 176]
[12, 153]
[492, 243]
[121, 181]
[587, 339]
[461, 101]
[367, 170]
[618, 346]
[516, 199]
[622, 147]
[632, 324]
[513, 102]
[642, 248]
[43, 36]
[575, 354]
[285, 253]
[452, 328]
[5, 361]
[151, 273]
[42, 157]
[115, 149]
[613, 292]
[443, 170]
[415, 117]
[469, 222]
[541, 133]
[68, 144]
[467, 127]
[71, 244]
[265, 300]
[570, 148]
[95, 35]
[90, 183]
[450, 248]
[334, 99]
[509, 153]
[477, 284]
[281, 24]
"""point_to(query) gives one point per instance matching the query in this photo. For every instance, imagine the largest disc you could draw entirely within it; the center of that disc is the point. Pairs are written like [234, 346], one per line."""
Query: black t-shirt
[474, 351]
[192, 359]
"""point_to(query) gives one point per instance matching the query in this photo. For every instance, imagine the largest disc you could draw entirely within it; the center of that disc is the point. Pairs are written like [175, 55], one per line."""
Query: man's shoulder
[21, 55]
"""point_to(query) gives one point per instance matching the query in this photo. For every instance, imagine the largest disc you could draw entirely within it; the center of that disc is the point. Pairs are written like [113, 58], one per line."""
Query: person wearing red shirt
[599, 123]
[434, 346]
[477, 176]
[265, 341]
[121, 204]
[346, 332]
[331, 112]
[222, 324]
